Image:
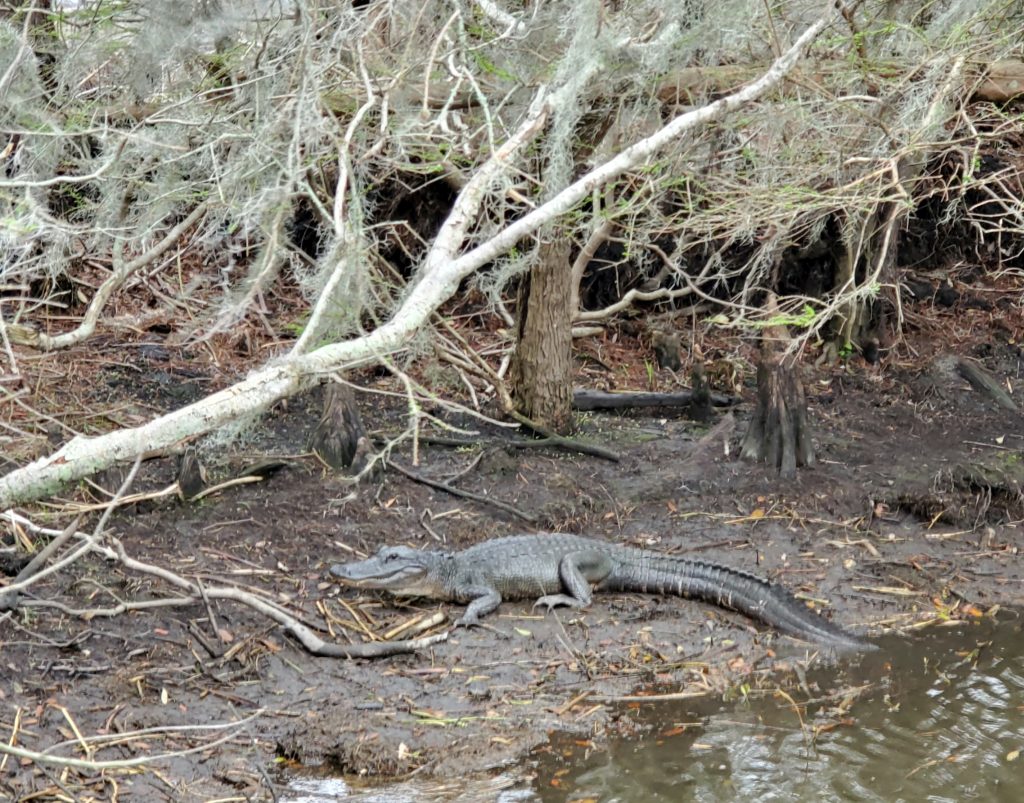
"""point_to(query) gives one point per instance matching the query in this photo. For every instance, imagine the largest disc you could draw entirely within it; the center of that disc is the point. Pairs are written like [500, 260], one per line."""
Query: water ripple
[943, 729]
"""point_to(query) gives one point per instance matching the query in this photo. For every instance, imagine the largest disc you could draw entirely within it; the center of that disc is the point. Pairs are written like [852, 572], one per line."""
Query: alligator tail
[734, 590]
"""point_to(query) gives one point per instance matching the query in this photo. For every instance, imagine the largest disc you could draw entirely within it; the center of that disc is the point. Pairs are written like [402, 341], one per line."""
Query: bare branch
[44, 757]
[24, 335]
[196, 594]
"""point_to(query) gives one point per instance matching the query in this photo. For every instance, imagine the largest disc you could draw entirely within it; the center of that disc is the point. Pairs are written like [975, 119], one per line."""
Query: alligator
[562, 569]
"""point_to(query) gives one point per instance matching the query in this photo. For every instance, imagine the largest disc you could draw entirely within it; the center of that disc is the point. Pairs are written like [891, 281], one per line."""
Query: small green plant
[650, 373]
[804, 320]
[488, 66]
[296, 328]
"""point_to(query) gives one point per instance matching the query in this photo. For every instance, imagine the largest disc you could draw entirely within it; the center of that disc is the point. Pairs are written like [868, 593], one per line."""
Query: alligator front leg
[482, 600]
[578, 570]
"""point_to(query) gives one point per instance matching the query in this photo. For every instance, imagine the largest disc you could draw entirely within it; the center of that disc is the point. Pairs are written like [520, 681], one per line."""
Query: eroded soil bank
[910, 519]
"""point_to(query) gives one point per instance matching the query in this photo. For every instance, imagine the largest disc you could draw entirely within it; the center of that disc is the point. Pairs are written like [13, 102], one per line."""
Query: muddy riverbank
[908, 521]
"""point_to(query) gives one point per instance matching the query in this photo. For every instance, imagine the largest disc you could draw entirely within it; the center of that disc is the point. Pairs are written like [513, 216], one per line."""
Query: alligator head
[397, 569]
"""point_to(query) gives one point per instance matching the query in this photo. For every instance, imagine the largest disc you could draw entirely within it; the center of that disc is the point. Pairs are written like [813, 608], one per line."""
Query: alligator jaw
[351, 575]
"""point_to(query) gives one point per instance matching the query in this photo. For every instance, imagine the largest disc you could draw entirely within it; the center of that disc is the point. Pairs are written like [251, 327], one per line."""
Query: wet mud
[910, 520]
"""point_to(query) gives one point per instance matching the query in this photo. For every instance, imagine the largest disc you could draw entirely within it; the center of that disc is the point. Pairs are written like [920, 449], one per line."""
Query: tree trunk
[870, 262]
[339, 436]
[863, 322]
[778, 433]
[541, 371]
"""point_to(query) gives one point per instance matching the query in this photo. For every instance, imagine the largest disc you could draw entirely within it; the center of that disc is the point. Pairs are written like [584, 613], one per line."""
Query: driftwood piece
[946, 371]
[376, 649]
[585, 399]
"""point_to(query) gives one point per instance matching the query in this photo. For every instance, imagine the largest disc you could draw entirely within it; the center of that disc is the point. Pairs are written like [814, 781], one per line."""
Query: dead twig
[570, 444]
[417, 624]
[9, 596]
[305, 635]
[43, 757]
[47, 552]
[447, 488]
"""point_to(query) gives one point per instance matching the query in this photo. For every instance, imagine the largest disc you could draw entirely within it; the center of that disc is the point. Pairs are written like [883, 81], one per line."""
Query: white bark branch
[494, 12]
[439, 278]
[596, 239]
[26, 336]
[45, 757]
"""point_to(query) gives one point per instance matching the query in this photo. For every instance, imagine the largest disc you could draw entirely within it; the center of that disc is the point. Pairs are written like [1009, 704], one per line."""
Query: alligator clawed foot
[551, 601]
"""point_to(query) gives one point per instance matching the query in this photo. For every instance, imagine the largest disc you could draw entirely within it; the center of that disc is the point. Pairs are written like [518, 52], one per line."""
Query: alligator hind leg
[578, 571]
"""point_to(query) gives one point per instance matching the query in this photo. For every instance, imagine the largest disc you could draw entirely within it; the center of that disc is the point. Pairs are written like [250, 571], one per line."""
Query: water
[936, 718]
[940, 718]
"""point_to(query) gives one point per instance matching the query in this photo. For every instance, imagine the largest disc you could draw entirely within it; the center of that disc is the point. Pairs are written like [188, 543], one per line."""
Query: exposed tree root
[339, 438]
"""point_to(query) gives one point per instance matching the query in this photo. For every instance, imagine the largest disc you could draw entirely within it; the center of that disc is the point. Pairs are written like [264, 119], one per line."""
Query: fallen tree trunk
[997, 81]
[603, 400]
[438, 279]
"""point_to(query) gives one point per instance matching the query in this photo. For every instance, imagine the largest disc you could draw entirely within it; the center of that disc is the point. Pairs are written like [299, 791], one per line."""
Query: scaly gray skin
[561, 569]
